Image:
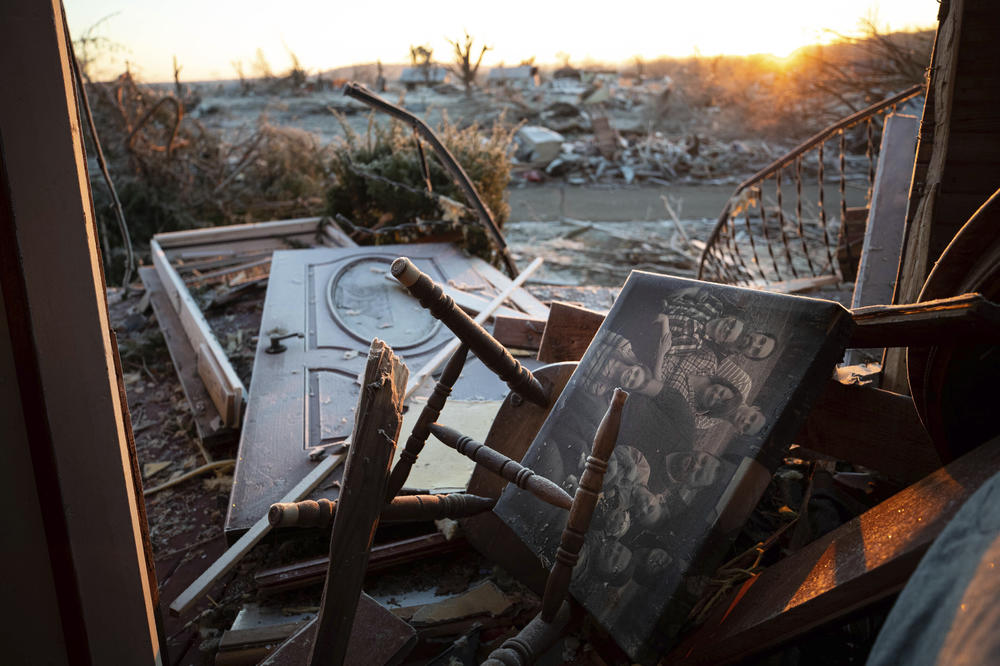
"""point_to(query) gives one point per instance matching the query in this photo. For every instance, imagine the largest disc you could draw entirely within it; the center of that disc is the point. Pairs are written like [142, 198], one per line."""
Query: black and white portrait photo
[710, 371]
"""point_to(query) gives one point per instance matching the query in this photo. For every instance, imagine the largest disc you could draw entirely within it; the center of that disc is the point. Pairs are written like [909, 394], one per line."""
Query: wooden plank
[383, 556]
[518, 332]
[207, 420]
[247, 246]
[228, 270]
[236, 232]
[968, 318]
[378, 419]
[520, 297]
[870, 427]
[475, 304]
[229, 390]
[186, 599]
[335, 236]
[568, 333]
[857, 564]
[211, 375]
[887, 213]
[377, 638]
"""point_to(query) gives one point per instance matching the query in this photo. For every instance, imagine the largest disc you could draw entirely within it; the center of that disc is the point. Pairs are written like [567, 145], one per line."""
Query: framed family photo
[719, 380]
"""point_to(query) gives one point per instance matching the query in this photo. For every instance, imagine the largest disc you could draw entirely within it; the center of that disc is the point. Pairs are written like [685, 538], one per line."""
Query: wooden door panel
[304, 398]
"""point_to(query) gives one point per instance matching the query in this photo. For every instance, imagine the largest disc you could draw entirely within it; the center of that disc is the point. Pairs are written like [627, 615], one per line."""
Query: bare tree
[245, 85]
[463, 68]
[420, 56]
[91, 46]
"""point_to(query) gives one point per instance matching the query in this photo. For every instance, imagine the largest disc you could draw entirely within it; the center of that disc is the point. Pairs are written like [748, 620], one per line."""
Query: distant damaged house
[522, 76]
[423, 76]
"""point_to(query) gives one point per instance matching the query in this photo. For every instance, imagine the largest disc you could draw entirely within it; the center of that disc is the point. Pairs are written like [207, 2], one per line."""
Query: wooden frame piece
[859, 563]
[258, 240]
[223, 384]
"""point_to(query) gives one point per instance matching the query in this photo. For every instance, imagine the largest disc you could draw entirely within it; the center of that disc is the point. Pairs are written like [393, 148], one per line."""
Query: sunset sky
[208, 35]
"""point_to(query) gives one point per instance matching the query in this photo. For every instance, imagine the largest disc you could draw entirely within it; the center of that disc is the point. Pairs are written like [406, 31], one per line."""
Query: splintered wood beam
[859, 563]
[428, 415]
[568, 333]
[968, 318]
[504, 467]
[405, 508]
[584, 503]
[366, 475]
[493, 355]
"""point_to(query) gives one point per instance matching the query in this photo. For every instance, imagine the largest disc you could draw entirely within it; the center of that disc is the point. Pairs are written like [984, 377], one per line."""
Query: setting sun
[208, 37]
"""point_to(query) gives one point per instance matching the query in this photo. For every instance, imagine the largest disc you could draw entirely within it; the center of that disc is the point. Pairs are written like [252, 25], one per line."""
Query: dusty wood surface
[382, 557]
[376, 637]
[515, 426]
[208, 424]
[366, 475]
[870, 427]
[859, 563]
[568, 333]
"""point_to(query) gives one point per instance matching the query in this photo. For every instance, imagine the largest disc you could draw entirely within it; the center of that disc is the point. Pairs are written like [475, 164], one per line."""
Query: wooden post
[366, 475]
[81, 586]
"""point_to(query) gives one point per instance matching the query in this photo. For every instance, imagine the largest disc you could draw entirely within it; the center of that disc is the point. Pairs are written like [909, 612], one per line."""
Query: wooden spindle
[493, 354]
[430, 413]
[405, 508]
[502, 466]
[584, 503]
[411, 508]
[307, 513]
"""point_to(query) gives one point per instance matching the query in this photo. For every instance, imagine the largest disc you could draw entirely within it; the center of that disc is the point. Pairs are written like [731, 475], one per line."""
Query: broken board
[302, 399]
